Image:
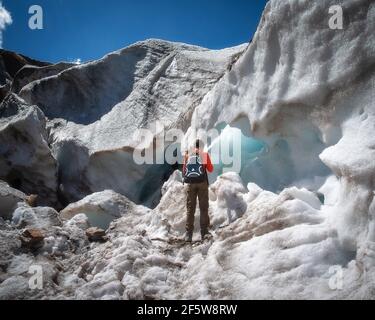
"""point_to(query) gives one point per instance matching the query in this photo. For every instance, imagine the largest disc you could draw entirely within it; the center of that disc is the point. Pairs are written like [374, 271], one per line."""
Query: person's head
[199, 144]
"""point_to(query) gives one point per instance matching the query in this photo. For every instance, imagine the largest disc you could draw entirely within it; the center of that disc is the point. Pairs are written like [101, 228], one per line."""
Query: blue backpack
[194, 170]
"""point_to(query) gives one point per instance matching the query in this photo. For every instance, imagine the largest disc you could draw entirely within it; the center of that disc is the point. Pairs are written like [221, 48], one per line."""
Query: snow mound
[100, 208]
[280, 239]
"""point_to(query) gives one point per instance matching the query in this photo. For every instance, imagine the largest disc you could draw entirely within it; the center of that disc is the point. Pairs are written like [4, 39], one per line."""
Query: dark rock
[32, 239]
[96, 235]
[31, 200]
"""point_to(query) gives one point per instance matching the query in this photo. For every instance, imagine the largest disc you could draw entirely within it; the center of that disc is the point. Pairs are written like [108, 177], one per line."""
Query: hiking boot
[206, 236]
[188, 237]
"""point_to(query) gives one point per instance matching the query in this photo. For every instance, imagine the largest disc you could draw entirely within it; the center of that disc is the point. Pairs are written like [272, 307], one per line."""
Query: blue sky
[89, 29]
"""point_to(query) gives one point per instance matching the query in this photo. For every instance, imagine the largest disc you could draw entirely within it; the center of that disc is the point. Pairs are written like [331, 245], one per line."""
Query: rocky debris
[49, 250]
[70, 238]
[9, 199]
[10, 244]
[13, 288]
[39, 217]
[32, 239]
[96, 235]
[21, 283]
[26, 161]
[32, 200]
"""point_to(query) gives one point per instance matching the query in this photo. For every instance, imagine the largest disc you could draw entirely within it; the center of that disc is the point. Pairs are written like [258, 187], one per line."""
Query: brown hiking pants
[200, 191]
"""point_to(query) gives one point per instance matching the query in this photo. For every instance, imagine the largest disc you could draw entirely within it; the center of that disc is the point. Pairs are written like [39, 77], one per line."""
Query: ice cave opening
[235, 151]
[273, 163]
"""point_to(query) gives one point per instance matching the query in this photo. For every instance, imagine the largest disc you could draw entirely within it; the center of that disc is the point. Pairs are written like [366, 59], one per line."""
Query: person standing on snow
[195, 168]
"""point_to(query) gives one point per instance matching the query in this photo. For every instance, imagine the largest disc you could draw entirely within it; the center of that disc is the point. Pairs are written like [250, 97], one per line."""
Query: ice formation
[295, 222]
[9, 198]
[26, 160]
[102, 103]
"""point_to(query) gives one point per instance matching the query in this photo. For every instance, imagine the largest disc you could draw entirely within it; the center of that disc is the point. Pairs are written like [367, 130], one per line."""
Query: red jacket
[205, 158]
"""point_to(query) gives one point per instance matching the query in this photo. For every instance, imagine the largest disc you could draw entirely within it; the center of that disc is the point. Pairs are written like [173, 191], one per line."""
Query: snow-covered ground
[271, 247]
[303, 228]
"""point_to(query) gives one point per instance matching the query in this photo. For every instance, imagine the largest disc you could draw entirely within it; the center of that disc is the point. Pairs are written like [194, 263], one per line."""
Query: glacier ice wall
[308, 92]
[26, 160]
[95, 108]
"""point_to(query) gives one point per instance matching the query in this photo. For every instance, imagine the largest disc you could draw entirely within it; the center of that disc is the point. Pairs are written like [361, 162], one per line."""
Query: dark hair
[199, 144]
